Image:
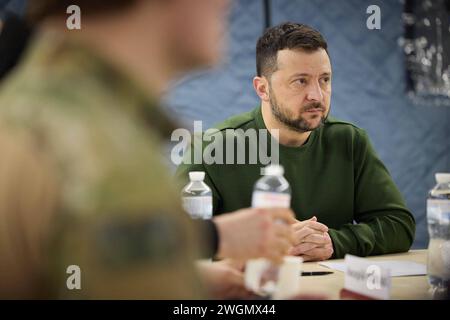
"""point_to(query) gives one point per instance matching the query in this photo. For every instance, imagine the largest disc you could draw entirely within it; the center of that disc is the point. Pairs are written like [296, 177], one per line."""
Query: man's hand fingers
[284, 231]
[237, 287]
[300, 224]
[283, 214]
[279, 250]
[300, 235]
[311, 224]
[306, 258]
[317, 226]
[301, 248]
[238, 265]
[317, 238]
[282, 247]
[319, 254]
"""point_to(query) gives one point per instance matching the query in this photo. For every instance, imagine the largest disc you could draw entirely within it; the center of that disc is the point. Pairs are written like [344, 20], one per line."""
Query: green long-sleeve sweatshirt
[335, 176]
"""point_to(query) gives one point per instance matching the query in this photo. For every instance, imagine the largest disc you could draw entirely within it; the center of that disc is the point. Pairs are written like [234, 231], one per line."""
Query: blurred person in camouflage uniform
[81, 178]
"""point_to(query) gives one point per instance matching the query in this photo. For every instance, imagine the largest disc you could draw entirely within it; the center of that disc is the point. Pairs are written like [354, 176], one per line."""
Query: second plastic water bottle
[270, 191]
[438, 216]
[197, 197]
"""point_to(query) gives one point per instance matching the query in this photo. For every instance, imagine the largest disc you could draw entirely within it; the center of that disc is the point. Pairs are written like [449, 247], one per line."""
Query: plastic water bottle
[438, 216]
[197, 197]
[271, 191]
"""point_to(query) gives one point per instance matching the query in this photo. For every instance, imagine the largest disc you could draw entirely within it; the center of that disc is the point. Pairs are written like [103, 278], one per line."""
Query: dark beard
[299, 125]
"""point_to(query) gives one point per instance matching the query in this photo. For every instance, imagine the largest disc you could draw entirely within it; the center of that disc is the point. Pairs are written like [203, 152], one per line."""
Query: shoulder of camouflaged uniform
[118, 219]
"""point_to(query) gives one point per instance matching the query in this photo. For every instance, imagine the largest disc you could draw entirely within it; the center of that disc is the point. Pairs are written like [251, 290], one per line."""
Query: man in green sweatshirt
[342, 194]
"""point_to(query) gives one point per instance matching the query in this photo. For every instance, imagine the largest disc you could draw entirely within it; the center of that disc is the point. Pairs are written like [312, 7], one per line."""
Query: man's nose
[314, 92]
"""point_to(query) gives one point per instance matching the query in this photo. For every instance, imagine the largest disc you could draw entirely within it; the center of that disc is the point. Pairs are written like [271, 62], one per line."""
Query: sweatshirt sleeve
[382, 223]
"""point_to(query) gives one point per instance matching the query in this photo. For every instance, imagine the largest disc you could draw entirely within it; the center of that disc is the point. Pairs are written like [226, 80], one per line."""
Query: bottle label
[438, 210]
[198, 207]
[438, 215]
[263, 199]
[439, 258]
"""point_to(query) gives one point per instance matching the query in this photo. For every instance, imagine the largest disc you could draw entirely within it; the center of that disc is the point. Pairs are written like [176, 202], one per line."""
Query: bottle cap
[197, 175]
[442, 177]
[273, 170]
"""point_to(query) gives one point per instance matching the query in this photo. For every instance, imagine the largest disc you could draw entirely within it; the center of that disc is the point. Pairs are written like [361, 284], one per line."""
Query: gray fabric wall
[412, 140]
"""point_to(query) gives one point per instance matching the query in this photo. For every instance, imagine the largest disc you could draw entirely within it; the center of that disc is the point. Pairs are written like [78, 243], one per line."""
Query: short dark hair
[287, 35]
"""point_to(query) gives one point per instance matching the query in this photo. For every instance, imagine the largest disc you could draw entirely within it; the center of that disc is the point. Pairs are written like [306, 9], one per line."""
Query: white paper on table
[397, 268]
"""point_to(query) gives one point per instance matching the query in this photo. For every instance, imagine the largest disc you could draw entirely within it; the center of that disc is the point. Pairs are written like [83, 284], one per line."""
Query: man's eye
[326, 80]
[301, 81]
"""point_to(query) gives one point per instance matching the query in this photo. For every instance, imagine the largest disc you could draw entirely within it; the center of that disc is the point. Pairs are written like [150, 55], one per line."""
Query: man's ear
[261, 86]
